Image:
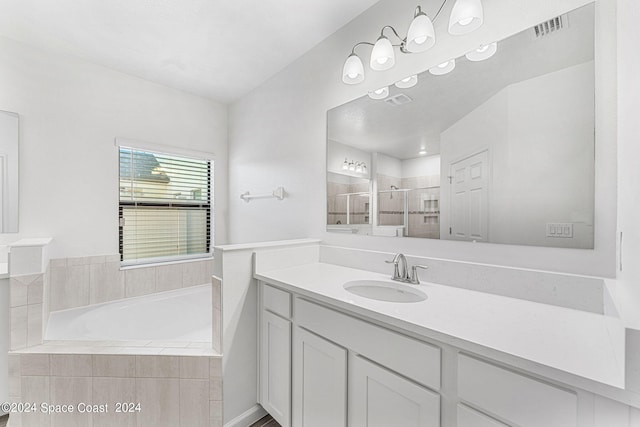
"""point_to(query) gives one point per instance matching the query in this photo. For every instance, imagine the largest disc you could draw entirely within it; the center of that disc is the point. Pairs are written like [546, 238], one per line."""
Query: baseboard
[248, 417]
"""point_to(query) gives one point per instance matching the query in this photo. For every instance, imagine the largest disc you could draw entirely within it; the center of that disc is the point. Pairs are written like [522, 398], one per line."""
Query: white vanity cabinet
[275, 354]
[518, 399]
[381, 398]
[344, 371]
[321, 366]
[319, 381]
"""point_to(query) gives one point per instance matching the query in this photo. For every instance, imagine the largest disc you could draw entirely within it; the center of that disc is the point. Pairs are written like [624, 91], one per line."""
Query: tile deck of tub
[163, 348]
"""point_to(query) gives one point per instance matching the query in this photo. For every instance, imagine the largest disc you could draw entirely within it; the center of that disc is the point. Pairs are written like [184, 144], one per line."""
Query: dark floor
[264, 422]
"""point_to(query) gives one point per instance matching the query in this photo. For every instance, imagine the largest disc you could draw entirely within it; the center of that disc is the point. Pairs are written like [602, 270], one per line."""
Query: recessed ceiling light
[407, 82]
[381, 93]
[483, 52]
[444, 68]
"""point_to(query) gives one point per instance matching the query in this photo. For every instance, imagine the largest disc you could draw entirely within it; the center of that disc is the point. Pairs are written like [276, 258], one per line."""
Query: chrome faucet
[399, 258]
[404, 276]
[414, 273]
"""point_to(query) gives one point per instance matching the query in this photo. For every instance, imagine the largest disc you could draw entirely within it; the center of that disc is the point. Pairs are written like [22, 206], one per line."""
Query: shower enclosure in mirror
[8, 172]
[499, 150]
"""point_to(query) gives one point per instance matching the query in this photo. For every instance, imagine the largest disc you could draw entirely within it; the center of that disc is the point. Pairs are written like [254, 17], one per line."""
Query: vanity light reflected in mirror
[500, 150]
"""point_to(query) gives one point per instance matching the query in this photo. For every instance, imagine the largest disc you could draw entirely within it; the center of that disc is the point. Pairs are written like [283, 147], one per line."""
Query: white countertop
[581, 343]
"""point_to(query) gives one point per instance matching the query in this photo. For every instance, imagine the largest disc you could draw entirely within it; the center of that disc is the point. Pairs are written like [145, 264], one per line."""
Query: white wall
[9, 135]
[421, 166]
[277, 136]
[388, 166]
[70, 113]
[628, 157]
[540, 154]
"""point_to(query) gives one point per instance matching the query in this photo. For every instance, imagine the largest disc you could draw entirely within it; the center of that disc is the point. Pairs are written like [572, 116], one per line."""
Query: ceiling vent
[551, 26]
[399, 99]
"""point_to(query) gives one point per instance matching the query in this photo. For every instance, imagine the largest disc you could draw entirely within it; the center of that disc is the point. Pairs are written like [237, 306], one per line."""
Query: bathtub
[181, 315]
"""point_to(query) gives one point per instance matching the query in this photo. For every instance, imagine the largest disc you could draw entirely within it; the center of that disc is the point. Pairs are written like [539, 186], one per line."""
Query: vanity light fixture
[466, 16]
[421, 35]
[381, 93]
[354, 166]
[444, 68]
[353, 71]
[483, 52]
[407, 82]
[382, 55]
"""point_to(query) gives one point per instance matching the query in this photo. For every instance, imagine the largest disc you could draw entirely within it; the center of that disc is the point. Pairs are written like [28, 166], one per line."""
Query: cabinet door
[380, 398]
[275, 367]
[319, 381]
[468, 417]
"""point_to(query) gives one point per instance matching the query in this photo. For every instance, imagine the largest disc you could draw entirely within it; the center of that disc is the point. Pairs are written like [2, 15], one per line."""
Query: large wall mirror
[9, 136]
[499, 150]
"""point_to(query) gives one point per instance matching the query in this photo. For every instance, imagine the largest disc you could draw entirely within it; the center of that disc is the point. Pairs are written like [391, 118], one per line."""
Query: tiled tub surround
[177, 382]
[173, 390]
[76, 282]
[182, 315]
[27, 309]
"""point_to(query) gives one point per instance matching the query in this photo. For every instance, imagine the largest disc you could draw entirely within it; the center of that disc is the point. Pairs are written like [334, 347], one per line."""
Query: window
[165, 207]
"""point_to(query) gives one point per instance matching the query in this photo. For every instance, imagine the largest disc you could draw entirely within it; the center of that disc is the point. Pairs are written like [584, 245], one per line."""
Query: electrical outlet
[560, 229]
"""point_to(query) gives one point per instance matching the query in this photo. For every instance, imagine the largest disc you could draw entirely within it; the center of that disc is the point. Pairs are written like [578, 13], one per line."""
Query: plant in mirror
[499, 149]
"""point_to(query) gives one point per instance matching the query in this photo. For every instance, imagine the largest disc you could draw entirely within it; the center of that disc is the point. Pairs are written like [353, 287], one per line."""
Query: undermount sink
[385, 291]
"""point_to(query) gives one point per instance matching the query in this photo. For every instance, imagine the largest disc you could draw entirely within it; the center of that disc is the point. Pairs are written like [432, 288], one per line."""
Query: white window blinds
[165, 206]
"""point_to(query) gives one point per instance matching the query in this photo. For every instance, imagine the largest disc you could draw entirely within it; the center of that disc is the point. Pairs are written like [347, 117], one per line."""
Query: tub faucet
[397, 259]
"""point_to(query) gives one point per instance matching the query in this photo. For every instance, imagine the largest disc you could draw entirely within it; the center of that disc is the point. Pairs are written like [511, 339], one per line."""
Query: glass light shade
[483, 52]
[407, 82]
[364, 168]
[466, 16]
[382, 56]
[444, 68]
[381, 93]
[353, 70]
[352, 166]
[359, 167]
[421, 35]
[345, 165]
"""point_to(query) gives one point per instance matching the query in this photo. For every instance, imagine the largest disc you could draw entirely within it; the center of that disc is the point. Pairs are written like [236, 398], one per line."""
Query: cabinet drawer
[407, 356]
[277, 301]
[514, 397]
[468, 417]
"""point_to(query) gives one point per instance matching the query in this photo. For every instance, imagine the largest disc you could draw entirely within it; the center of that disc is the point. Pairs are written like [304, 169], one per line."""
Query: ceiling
[221, 49]
[438, 102]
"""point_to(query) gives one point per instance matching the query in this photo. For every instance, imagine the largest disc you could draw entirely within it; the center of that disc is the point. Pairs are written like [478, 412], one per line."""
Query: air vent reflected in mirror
[399, 99]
